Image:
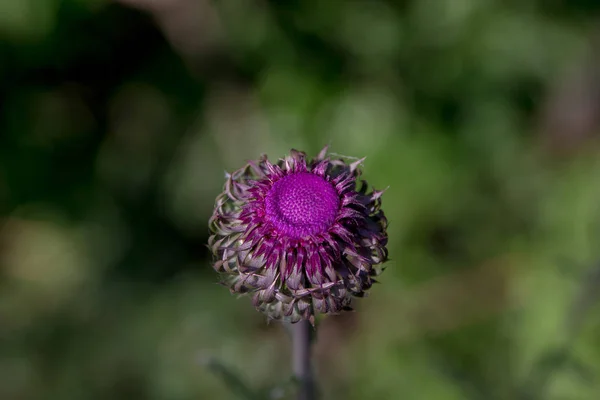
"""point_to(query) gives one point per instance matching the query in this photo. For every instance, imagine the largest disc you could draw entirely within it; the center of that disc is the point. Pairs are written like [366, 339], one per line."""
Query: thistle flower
[302, 236]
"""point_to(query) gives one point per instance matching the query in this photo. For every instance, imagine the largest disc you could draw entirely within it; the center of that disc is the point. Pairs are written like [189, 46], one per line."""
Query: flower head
[302, 236]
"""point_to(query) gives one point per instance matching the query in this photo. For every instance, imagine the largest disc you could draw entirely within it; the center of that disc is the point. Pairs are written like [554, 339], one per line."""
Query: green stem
[301, 360]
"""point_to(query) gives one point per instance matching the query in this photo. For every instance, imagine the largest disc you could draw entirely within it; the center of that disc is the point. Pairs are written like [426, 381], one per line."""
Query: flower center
[302, 204]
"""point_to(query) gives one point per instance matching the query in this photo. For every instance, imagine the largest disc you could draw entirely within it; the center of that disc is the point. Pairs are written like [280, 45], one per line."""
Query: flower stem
[301, 359]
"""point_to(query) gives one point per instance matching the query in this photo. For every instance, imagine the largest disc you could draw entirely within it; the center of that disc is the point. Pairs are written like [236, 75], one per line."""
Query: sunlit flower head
[301, 236]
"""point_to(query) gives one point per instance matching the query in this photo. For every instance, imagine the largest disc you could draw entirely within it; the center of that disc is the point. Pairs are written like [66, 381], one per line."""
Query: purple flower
[302, 236]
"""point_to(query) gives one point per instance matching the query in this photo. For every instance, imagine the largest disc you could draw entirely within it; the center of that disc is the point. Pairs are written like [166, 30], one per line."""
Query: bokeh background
[119, 119]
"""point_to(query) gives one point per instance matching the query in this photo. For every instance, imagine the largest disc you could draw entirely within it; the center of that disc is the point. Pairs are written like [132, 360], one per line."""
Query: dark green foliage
[117, 122]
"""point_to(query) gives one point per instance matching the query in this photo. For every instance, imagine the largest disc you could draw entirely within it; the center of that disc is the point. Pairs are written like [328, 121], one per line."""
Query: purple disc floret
[302, 236]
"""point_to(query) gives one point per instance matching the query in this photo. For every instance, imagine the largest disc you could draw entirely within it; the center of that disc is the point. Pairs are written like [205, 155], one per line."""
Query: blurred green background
[118, 120]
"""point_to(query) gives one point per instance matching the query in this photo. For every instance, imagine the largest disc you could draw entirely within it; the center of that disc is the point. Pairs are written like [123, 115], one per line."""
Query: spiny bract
[302, 236]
